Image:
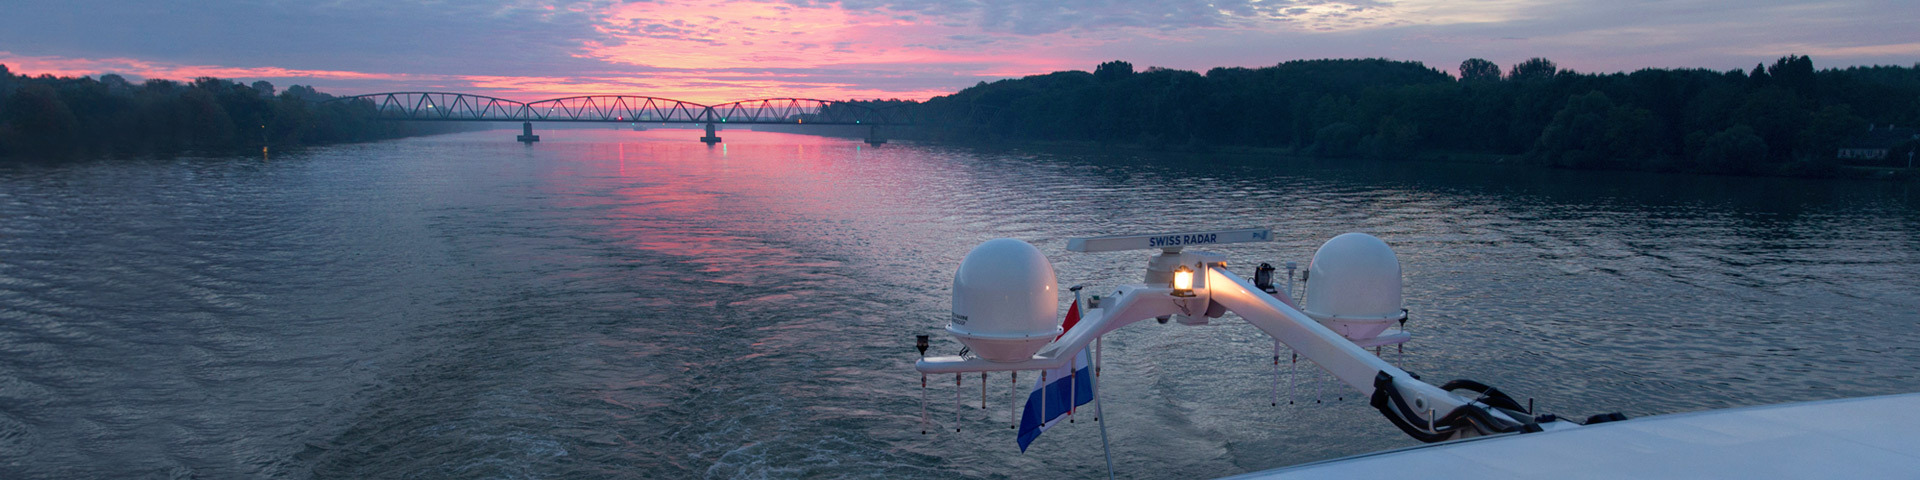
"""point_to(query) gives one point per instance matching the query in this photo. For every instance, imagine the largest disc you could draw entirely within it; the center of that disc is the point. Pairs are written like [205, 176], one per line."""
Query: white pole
[1276, 373]
[923, 404]
[1290, 267]
[1316, 385]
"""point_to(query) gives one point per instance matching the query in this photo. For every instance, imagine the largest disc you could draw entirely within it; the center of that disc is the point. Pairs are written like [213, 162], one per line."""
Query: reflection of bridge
[460, 107]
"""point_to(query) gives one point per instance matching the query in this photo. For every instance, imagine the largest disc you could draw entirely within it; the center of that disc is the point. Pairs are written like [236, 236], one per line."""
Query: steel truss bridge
[440, 106]
[461, 107]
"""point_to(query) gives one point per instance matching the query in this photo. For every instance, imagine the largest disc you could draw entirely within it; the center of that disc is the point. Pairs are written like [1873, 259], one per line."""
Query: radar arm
[1128, 304]
[1351, 364]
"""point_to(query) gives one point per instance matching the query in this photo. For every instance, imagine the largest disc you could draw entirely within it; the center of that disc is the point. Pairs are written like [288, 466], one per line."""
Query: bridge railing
[439, 106]
[797, 111]
[616, 108]
[446, 106]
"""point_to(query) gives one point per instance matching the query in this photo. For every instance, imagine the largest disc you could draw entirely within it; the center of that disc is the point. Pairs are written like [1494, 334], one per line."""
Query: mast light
[1182, 281]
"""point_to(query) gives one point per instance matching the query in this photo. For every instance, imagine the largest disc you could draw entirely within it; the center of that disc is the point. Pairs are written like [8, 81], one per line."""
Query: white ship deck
[1873, 437]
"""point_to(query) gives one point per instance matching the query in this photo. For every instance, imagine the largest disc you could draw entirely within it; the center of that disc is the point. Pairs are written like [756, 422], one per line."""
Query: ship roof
[1873, 437]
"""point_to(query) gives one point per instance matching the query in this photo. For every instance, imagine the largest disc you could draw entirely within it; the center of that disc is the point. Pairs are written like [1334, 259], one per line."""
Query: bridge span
[462, 107]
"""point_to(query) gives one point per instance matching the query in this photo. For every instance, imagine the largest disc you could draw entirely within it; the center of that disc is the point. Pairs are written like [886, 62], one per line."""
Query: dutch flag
[1057, 391]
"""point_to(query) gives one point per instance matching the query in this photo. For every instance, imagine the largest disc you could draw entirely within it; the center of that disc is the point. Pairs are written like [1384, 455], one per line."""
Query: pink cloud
[702, 52]
[698, 87]
[702, 40]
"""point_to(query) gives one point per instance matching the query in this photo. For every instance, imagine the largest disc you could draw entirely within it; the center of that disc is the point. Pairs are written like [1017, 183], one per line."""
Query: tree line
[58, 117]
[1781, 119]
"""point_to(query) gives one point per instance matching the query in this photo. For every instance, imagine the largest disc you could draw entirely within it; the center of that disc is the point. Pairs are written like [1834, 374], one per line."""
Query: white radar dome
[1004, 300]
[1353, 286]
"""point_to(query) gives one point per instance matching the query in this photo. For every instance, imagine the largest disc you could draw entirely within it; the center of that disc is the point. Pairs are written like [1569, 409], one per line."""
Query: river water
[636, 304]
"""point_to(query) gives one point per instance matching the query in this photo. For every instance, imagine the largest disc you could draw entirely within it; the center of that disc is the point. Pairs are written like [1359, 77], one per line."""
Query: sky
[712, 51]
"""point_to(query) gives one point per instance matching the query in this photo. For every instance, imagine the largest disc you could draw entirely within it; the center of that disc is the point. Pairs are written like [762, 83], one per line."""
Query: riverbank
[1788, 119]
[53, 118]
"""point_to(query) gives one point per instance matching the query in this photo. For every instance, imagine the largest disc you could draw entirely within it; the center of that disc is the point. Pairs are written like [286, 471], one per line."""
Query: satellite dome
[1004, 301]
[1354, 286]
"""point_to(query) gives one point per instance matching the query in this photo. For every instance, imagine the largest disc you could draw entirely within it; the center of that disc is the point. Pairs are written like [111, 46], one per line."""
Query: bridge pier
[873, 136]
[526, 133]
[710, 139]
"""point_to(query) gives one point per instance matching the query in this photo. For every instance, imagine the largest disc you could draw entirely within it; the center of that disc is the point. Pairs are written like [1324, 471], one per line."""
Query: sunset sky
[717, 50]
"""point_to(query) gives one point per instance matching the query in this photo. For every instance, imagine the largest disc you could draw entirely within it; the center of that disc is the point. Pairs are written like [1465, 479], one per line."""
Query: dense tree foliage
[51, 117]
[1786, 118]
[1534, 69]
[1479, 69]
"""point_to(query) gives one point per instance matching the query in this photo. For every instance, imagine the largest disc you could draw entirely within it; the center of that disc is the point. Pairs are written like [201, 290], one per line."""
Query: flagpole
[1104, 446]
[1073, 392]
[1073, 371]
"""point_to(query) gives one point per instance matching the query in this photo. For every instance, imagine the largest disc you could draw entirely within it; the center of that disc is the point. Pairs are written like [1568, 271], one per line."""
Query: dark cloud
[463, 37]
[1029, 17]
[1589, 36]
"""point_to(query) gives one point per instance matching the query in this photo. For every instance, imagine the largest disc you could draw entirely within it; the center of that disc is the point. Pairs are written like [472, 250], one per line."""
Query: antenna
[1168, 241]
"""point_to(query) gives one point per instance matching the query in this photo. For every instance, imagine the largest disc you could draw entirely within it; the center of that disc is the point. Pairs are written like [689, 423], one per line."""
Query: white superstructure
[1004, 299]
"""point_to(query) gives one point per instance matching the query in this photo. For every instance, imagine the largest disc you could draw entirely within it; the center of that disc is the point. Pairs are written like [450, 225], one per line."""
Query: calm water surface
[635, 304]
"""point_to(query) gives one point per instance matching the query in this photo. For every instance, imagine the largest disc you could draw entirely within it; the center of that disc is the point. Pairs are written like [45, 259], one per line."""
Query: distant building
[1874, 144]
